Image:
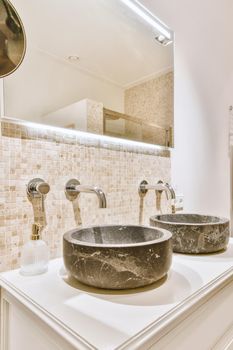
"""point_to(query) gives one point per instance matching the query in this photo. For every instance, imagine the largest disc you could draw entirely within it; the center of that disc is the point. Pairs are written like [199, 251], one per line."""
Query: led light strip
[84, 134]
[148, 16]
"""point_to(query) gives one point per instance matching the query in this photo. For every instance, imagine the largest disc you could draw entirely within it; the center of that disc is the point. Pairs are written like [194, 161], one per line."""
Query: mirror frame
[24, 47]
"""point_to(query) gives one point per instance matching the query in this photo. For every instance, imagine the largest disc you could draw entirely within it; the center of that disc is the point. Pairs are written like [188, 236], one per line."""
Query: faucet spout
[159, 187]
[144, 187]
[96, 190]
[74, 188]
[170, 190]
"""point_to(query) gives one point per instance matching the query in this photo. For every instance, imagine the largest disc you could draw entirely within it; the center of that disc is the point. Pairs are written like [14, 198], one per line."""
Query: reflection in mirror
[96, 66]
[12, 39]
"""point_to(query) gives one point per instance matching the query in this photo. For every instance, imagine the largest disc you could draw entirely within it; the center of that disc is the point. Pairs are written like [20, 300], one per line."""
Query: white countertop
[106, 320]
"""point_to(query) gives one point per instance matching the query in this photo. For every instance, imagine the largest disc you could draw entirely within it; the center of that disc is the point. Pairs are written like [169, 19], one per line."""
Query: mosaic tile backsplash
[28, 151]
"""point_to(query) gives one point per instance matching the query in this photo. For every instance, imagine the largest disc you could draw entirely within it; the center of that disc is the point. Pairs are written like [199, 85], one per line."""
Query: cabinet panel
[205, 327]
[4, 324]
[22, 330]
[226, 341]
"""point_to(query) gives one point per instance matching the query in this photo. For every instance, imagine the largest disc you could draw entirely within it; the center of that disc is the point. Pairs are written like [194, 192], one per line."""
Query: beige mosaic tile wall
[153, 102]
[27, 152]
[95, 123]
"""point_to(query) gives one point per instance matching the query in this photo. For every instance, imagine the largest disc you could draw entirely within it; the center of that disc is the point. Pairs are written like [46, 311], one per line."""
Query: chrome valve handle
[37, 188]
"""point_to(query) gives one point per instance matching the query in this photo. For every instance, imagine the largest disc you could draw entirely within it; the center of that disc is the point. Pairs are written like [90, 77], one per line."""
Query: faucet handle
[36, 190]
[37, 187]
[160, 182]
[70, 189]
[142, 191]
[43, 188]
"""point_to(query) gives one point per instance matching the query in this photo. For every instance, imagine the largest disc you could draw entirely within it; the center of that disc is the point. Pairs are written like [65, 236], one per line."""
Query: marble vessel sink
[117, 257]
[193, 233]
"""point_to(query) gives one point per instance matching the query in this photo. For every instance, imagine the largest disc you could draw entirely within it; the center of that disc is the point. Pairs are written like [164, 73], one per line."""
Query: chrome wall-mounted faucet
[159, 187]
[37, 190]
[73, 188]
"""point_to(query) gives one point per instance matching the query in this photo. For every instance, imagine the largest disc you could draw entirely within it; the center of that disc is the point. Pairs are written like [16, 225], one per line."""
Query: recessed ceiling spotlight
[162, 40]
[73, 58]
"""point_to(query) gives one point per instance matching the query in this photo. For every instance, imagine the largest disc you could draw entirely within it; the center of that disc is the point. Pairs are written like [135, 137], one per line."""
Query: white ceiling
[111, 41]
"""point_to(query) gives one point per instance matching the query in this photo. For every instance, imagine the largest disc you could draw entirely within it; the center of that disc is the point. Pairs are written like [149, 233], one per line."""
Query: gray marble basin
[193, 233]
[117, 257]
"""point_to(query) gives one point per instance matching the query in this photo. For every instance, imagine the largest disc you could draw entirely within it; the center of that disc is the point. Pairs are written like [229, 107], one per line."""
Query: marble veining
[117, 257]
[193, 233]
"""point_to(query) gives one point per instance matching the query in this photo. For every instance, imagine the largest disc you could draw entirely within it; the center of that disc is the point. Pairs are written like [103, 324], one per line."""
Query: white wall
[203, 93]
[73, 116]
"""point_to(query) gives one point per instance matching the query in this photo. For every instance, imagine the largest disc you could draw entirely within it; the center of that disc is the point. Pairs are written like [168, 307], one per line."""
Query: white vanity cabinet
[210, 326]
[192, 309]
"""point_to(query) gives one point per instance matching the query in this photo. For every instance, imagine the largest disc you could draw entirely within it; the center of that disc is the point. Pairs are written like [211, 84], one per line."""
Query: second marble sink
[193, 233]
[117, 257]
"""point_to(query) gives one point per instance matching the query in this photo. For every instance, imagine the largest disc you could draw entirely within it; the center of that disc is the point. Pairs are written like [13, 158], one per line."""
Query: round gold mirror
[12, 39]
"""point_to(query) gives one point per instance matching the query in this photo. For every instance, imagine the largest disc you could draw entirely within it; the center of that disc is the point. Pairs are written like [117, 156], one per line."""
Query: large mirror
[101, 66]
